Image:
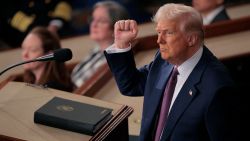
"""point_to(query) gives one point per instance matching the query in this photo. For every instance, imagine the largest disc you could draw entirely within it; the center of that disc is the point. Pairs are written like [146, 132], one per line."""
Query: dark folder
[71, 115]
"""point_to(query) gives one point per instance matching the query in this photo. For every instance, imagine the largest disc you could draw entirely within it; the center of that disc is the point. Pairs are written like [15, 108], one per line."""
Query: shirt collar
[210, 16]
[188, 65]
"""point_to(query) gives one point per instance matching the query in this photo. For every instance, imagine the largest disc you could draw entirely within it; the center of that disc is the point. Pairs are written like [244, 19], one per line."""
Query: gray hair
[192, 19]
[115, 10]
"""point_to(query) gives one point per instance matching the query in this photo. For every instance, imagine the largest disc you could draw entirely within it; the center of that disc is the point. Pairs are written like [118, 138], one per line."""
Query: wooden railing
[227, 27]
[92, 85]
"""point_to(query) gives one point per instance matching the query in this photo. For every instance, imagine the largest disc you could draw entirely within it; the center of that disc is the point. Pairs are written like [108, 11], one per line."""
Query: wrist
[122, 45]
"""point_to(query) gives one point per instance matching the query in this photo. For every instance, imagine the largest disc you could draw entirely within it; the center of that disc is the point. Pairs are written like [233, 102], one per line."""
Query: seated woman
[40, 41]
[104, 16]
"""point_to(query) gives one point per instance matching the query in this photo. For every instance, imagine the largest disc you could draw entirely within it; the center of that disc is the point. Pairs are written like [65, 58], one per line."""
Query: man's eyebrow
[166, 29]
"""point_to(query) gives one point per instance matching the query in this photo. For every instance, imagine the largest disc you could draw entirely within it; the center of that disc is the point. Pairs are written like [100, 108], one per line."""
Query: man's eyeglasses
[99, 21]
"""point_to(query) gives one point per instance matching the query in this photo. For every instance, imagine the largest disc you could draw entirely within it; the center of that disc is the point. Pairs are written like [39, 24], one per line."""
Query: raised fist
[125, 32]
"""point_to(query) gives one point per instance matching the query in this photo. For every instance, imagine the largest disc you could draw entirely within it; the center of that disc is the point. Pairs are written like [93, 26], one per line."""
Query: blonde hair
[191, 18]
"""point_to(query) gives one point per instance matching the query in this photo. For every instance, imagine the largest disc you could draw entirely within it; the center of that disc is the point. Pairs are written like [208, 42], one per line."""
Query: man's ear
[192, 39]
[219, 2]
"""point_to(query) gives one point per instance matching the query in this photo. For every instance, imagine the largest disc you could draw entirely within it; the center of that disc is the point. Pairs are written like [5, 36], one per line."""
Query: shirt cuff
[112, 49]
[57, 23]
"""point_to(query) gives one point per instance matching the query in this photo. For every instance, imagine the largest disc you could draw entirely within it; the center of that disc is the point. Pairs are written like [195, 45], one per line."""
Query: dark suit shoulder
[215, 70]
[221, 16]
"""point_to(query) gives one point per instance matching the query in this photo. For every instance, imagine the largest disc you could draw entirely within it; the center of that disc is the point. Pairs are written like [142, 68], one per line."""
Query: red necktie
[166, 102]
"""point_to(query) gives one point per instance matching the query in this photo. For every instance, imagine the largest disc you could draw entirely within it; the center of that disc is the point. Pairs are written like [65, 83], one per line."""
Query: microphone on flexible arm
[59, 55]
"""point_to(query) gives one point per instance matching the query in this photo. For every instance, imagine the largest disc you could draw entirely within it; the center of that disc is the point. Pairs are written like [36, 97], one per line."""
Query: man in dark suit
[199, 109]
[19, 17]
[211, 10]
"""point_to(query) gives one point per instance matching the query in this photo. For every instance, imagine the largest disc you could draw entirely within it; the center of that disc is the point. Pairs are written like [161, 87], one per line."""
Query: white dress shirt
[87, 67]
[112, 49]
[185, 70]
[210, 16]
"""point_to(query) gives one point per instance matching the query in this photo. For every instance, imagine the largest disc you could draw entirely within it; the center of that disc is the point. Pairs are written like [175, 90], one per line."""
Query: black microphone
[59, 55]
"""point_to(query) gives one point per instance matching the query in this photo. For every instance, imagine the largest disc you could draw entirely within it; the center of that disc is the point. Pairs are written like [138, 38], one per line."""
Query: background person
[211, 10]
[40, 41]
[104, 16]
[19, 17]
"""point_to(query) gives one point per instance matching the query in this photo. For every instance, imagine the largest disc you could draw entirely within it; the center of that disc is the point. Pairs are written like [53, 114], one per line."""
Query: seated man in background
[211, 10]
[19, 17]
[40, 41]
[104, 16]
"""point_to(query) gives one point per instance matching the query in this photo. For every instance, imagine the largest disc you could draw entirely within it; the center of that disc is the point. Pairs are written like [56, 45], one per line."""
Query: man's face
[172, 41]
[205, 6]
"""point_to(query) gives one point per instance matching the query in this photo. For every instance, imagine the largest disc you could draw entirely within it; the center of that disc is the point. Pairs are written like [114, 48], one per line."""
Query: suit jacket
[87, 67]
[200, 111]
[222, 16]
[19, 17]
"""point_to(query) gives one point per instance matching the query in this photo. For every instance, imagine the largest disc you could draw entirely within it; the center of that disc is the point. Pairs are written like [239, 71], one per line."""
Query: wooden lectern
[18, 101]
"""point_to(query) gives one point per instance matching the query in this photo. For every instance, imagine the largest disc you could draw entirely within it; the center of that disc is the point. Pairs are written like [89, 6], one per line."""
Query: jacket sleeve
[130, 80]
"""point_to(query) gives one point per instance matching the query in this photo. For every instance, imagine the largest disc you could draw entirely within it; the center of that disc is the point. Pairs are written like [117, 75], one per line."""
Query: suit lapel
[164, 74]
[158, 90]
[184, 98]
[181, 103]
